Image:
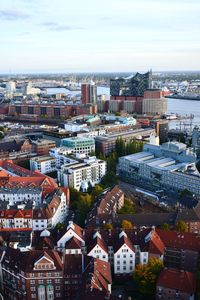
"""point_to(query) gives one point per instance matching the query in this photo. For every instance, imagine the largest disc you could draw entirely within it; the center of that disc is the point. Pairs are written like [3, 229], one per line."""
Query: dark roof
[73, 243]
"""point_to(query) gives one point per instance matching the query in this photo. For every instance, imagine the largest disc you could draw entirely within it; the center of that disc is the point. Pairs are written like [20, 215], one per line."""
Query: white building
[124, 255]
[91, 170]
[98, 248]
[15, 195]
[45, 164]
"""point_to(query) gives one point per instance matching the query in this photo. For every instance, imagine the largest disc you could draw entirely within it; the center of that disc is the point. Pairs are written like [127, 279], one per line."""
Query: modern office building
[170, 167]
[89, 93]
[79, 145]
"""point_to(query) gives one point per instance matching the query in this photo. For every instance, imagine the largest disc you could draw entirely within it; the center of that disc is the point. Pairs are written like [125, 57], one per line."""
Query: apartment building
[80, 174]
[44, 164]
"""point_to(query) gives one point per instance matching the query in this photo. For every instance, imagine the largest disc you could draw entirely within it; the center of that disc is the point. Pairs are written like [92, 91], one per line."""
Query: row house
[126, 248]
[35, 274]
[109, 202]
[48, 274]
[52, 211]
[14, 195]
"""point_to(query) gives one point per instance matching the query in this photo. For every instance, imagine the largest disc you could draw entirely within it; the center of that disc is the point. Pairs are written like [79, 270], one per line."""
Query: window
[33, 296]
[32, 281]
[57, 288]
[40, 281]
[57, 280]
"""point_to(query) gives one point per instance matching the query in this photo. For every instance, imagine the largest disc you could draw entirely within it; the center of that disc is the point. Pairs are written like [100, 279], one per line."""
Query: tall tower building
[89, 93]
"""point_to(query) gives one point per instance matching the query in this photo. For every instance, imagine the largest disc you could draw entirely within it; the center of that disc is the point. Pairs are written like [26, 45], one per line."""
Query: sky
[60, 36]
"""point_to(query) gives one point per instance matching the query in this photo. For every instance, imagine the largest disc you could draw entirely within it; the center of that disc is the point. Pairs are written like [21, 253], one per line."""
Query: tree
[181, 226]
[109, 179]
[165, 226]
[127, 224]
[146, 276]
[83, 206]
[185, 193]
[97, 190]
[120, 147]
[128, 208]
[108, 226]
[117, 114]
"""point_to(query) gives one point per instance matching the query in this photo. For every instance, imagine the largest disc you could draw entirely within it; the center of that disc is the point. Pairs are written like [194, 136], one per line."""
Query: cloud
[13, 15]
[53, 26]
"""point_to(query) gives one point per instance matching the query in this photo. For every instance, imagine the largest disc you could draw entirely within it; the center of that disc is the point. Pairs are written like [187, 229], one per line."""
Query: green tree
[120, 147]
[146, 276]
[97, 190]
[83, 206]
[165, 226]
[181, 226]
[117, 114]
[109, 179]
[127, 224]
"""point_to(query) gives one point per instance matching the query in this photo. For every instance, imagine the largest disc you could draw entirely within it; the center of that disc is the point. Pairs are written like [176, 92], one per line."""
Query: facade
[30, 199]
[79, 145]
[130, 86]
[36, 274]
[51, 110]
[126, 248]
[80, 174]
[45, 274]
[88, 93]
[170, 167]
[44, 164]
[42, 147]
[15, 147]
[162, 129]
[134, 94]
[106, 144]
[196, 139]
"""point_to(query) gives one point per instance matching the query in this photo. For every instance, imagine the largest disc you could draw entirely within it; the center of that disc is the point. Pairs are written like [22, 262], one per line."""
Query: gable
[44, 263]
[68, 235]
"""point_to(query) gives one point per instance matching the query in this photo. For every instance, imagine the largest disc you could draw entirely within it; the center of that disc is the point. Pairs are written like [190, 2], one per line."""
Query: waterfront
[178, 106]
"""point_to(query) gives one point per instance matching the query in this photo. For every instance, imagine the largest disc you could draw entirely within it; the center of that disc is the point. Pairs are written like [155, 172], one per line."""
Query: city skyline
[115, 36]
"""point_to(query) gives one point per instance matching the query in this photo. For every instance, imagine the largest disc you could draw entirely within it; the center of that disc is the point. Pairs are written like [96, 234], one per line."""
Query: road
[131, 190]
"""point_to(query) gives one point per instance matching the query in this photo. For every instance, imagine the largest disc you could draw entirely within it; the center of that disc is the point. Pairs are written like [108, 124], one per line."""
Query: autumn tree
[108, 226]
[127, 224]
[146, 276]
[181, 226]
[128, 207]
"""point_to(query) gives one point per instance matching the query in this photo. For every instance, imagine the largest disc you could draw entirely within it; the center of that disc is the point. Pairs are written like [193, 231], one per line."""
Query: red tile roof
[177, 280]
[179, 240]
